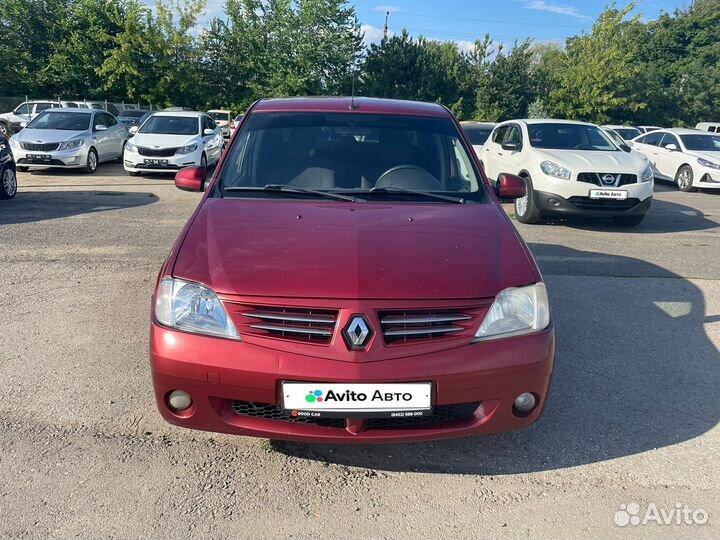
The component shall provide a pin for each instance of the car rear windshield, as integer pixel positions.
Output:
(70, 121)
(350, 152)
(171, 125)
(134, 113)
(219, 115)
(628, 133)
(477, 134)
(702, 143)
(559, 136)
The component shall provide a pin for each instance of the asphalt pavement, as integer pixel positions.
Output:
(631, 425)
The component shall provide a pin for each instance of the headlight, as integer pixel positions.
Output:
(553, 169)
(706, 163)
(14, 143)
(130, 147)
(516, 311)
(186, 149)
(192, 307)
(69, 145)
(647, 174)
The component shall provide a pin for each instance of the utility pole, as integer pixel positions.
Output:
(385, 30)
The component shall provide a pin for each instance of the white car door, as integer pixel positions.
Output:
(648, 146)
(103, 137)
(492, 156)
(116, 135)
(669, 160)
(511, 157)
(212, 142)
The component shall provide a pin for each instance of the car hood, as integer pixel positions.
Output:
(710, 156)
(156, 140)
(595, 161)
(338, 250)
(48, 135)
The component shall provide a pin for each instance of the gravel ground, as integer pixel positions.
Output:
(632, 416)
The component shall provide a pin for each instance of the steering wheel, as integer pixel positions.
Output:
(409, 177)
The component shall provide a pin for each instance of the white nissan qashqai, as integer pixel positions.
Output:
(571, 168)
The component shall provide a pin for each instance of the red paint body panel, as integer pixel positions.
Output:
(350, 258)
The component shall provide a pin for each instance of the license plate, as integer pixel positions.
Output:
(615, 194)
(353, 400)
(156, 162)
(39, 157)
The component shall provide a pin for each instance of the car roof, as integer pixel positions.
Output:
(188, 114)
(619, 126)
(476, 123)
(73, 110)
(684, 131)
(531, 121)
(347, 104)
(219, 110)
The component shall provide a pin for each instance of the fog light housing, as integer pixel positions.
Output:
(179, 401)
(525, 403)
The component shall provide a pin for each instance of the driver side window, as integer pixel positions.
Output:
(23, 109)
(513, 136)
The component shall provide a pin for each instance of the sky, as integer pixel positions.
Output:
(463, 21)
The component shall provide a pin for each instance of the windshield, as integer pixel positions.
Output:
(171, 125)
(69, 121)
(569, 137)
(222, 116)
(628, 133)
(477, 134)
(350, 152)
(702, 143)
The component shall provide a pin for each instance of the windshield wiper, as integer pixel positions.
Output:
(429, 195)
(281, 188)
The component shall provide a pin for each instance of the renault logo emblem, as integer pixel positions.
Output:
(357, 332)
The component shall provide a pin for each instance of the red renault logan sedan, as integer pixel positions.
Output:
(350, 276)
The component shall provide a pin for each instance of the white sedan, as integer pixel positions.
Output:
(690, 158)
(170, 141)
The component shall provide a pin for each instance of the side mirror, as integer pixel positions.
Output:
(190, 179)
(134, 130)
(625, 147)
(671, 146)
(100, 127)
(208, 131)
(511, 146)
(510, 186)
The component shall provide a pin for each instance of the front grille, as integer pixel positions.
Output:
(440, 414)
(403, 326)
(603, 204)
(597, 179)
(267, 411)
(39, 147)
(313, 325)
(156, 152)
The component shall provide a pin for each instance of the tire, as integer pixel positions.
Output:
(684, 178)
(628, 221)
(8, 183)
(23, 168)
(122, 154)
(91, 163)
(526, 211)
(203, 165)
(5, 130)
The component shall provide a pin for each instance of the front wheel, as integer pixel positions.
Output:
(526, 210)
(8, 184)
(684, 178)
(5, 130)
(203, 165)
(628, 221)
(91, 162)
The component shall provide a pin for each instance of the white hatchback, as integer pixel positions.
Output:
(690, 158)
(571, 168)
(170, 141)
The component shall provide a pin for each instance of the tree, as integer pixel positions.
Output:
(604, 78)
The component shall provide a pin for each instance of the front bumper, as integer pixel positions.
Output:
(134, 162)
(480, 379)
(553, 204)
(69, 159)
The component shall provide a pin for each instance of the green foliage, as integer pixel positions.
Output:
(663, 72)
